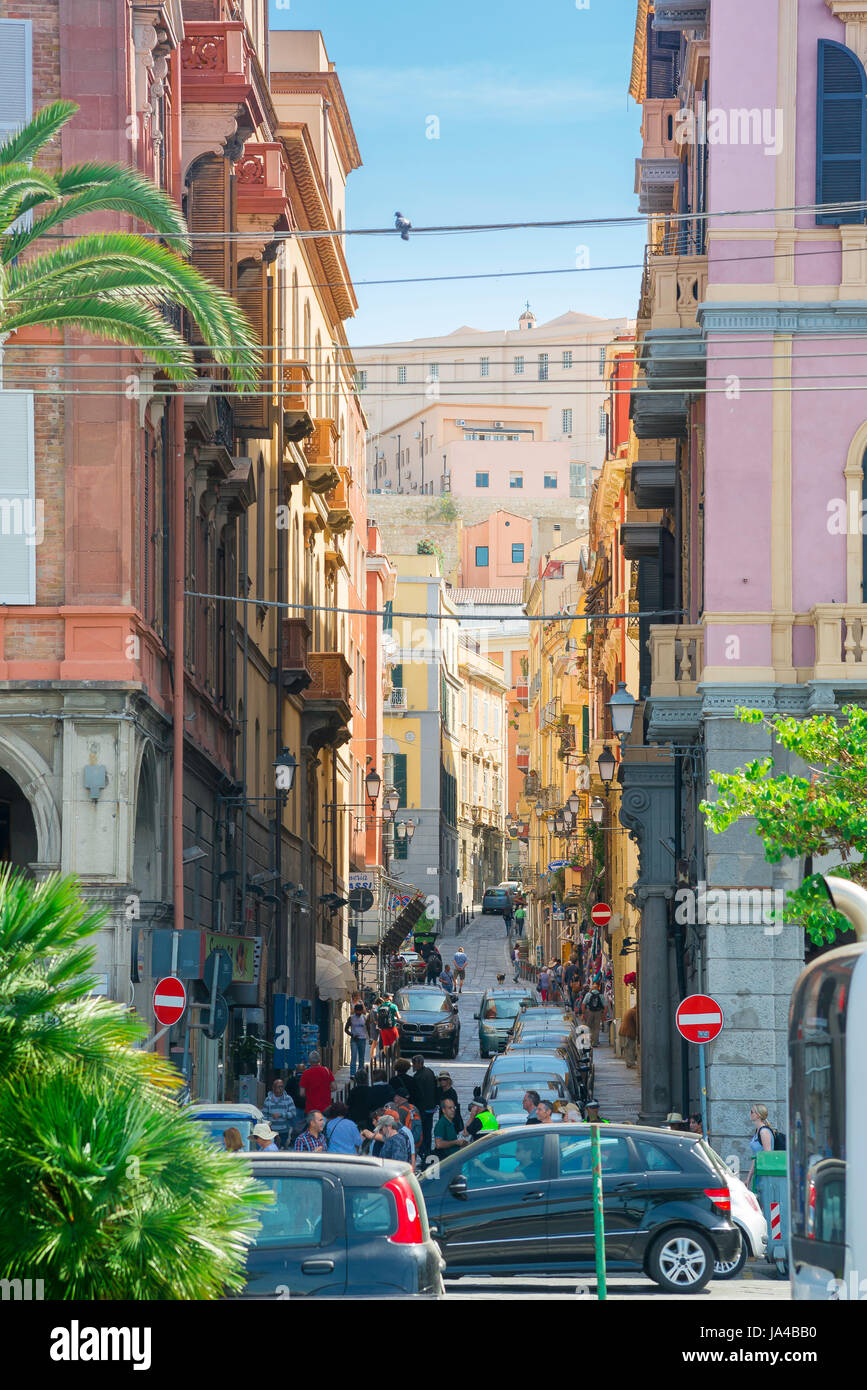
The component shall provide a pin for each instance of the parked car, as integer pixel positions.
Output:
(495, 1032)
(428, 1021)
(414, 966)
(512, 886)
(556, 1061)
(341, 1225)
(496, 900)
(219, 1116)
(521, 1201)
(513, 1088)
(527, 1064)
(749, 1218)
(579, 1057)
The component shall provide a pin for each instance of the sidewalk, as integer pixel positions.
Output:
(618, 1088)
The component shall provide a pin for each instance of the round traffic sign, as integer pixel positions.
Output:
(170, 1000)
(699, 1018)
(600, 914)
(361, 899)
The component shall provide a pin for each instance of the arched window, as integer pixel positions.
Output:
(841, 133)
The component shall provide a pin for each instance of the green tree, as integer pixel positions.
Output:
(106, 1189)
(110, 284)
(823, 812)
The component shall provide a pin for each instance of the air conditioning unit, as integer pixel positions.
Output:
(460, 422)
(387, 482)
(498, 425)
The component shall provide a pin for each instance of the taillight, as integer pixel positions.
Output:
(720, 1196)
(409, 1231)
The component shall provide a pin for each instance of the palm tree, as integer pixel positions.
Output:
(109, 284)
(106, 1189)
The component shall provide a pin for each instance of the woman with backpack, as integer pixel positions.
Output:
(387, 1015)
(765, 1139)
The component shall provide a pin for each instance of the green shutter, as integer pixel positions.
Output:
(388, 616)
(585, 729)
(400, 775)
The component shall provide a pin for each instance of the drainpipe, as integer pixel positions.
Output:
(178, 531)
(679, 933)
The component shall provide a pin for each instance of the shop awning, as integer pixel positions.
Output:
(335, 977)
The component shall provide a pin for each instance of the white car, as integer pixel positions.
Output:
(748, 1216)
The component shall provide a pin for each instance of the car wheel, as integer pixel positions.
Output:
(681, 1261)
(730, 1269)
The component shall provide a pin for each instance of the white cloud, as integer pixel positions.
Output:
(475, 91)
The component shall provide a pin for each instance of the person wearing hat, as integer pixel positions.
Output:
(265, 1138)
(674, 1120)
(395, 1145)
(312, 1140)
(481, 1121)
(448, 1092)
(591, 1113)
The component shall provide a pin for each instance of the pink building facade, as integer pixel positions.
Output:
(496, 553)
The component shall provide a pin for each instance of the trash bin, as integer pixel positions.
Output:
(772, 1190)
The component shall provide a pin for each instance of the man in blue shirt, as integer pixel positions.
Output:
(264, 1137)
(460, 959)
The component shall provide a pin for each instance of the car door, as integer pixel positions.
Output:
(500, 1220)
(674, 1176)
(571, 1239)
(301, 1248)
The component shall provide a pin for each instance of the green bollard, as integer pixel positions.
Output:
(598, 1216)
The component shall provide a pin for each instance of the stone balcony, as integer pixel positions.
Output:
(841, 641)
(337, 501)
(260, 181)
(676, 659)
(655, 183)
(654, 474)
(677, 15)
(658, 129)
(327, 711)
(321, 450)
(295, 638)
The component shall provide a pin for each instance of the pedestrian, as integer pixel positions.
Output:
(293, 1086)
(516, 962)
(591, 1113)
(446, 1140)
(592, 1013)
(568, 1111)
(544, 1112)
(359, 1029)
(434, 967)
(316, 1084)
(382, 1091)
(674, 1120)
(312, 1140)
(264, 1137)
(279, 1110)
(482, 1121)
(629, 1034)
(544, 983)
(448, 1092)
(395, 1144)
(460, 964)
(764, 1139)
(402, 1079)
(568, 976)
(387, 1017)
(342, 1135)
(410, 1119)
(426, 1092)
(232, 1140)
(556, 980)
(695, 1123)
(519, 919)
(530, 1103)
(360, 1104)
(507, 916)
(447, 980)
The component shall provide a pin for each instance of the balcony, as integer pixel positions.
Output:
(676, 659)
(217, 67)
(522, 695)
(523, 759)
(655, 184)
(551, 714)
(337, 500)
(658, 414)
(658, 129)
(395, 700)
(260, 181)
(327, 711)
(321, 450)
(841, 641)
(295, 638)
(654, 475)
(677, 15)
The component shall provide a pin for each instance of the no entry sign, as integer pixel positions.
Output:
(699, 1018)
(170, 1000)
(600, 914)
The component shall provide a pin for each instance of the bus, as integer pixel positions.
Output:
(827, 1142)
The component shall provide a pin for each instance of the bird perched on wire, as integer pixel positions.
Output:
(403, 225)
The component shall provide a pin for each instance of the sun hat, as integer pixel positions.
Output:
(264, 1131)
(675, 1118)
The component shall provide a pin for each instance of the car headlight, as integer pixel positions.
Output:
(444, 1028)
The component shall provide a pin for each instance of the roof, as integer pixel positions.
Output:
(488, 597)
(638, 79)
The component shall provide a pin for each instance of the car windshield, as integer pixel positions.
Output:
(424, 1002)
(530, 1062)
(217, 1126)
(501, 1008)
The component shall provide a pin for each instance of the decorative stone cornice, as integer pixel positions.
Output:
(849, 316)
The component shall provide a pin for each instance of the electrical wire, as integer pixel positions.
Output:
(439, 617)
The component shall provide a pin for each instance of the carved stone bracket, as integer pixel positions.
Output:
(208, 128)
(852, 13)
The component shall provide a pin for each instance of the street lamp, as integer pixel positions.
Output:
(606, 764)
(285, 765)
(574, 804)
(372, 782)
(387, 815)
(410, 829)
(622, 706)
(559, 824)
(400, 830)
(597, 810)
(392, 800)
(568, 820)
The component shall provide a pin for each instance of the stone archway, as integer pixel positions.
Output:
(146, 840)
(30, 776)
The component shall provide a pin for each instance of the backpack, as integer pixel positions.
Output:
(409, 1116)
(779, 1137)
(594, 1001)
(384, 1016)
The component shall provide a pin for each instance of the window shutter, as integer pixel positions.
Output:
(253, 413)
(399, 776)
(16, 74)
(209, 209)
(663, 61)
(841, 133)
(18, 517)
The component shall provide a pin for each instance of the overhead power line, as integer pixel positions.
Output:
(440, 617)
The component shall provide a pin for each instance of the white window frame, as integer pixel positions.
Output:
(401, 376)
(567, 359)
(566, 421)
(17, 430)
(519, 366)
(484, 366)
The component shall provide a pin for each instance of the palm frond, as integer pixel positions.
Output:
(127, 192)
(123, 321)
(20, 188)
(44, 125)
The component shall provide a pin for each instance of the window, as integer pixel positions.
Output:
(361, 378)
(543, 366)
(515, 1160)
(401, 376)
(465, 702)
(519, 366)
(602, 361)
(484, 366)
(19, 516)
(655, 1159)
(576, 1155)
(516, 480)
(295, 1218)
(16, 45)
(518, 554)
(371, 1213)
(577, 479)
(550, 480)
(567, 361)
(603, 422)
(841, 137)
(566, 422)
(481, 556)
(433, 371)
(482, 479)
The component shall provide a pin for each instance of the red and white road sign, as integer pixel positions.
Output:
(600, 914)
(170, 1000)
(699, 1018)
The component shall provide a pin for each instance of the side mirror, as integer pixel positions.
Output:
(458, 1187)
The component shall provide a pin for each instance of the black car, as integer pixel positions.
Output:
(428, 1022)
(580, 1058)
(506, 1005)
(493, 1086)
(560, 1059)
(341, 1225)
(521, 1201)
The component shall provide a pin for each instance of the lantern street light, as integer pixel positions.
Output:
(372, 782)
(597, 810)
(574, 804)
(568, 820)
(622, 706)
(400, 830)
(559, 824)
(606, 764)
(392, 800)
(410, 829)
(285, 765)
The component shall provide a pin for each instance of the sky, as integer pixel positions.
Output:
(534, 123)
